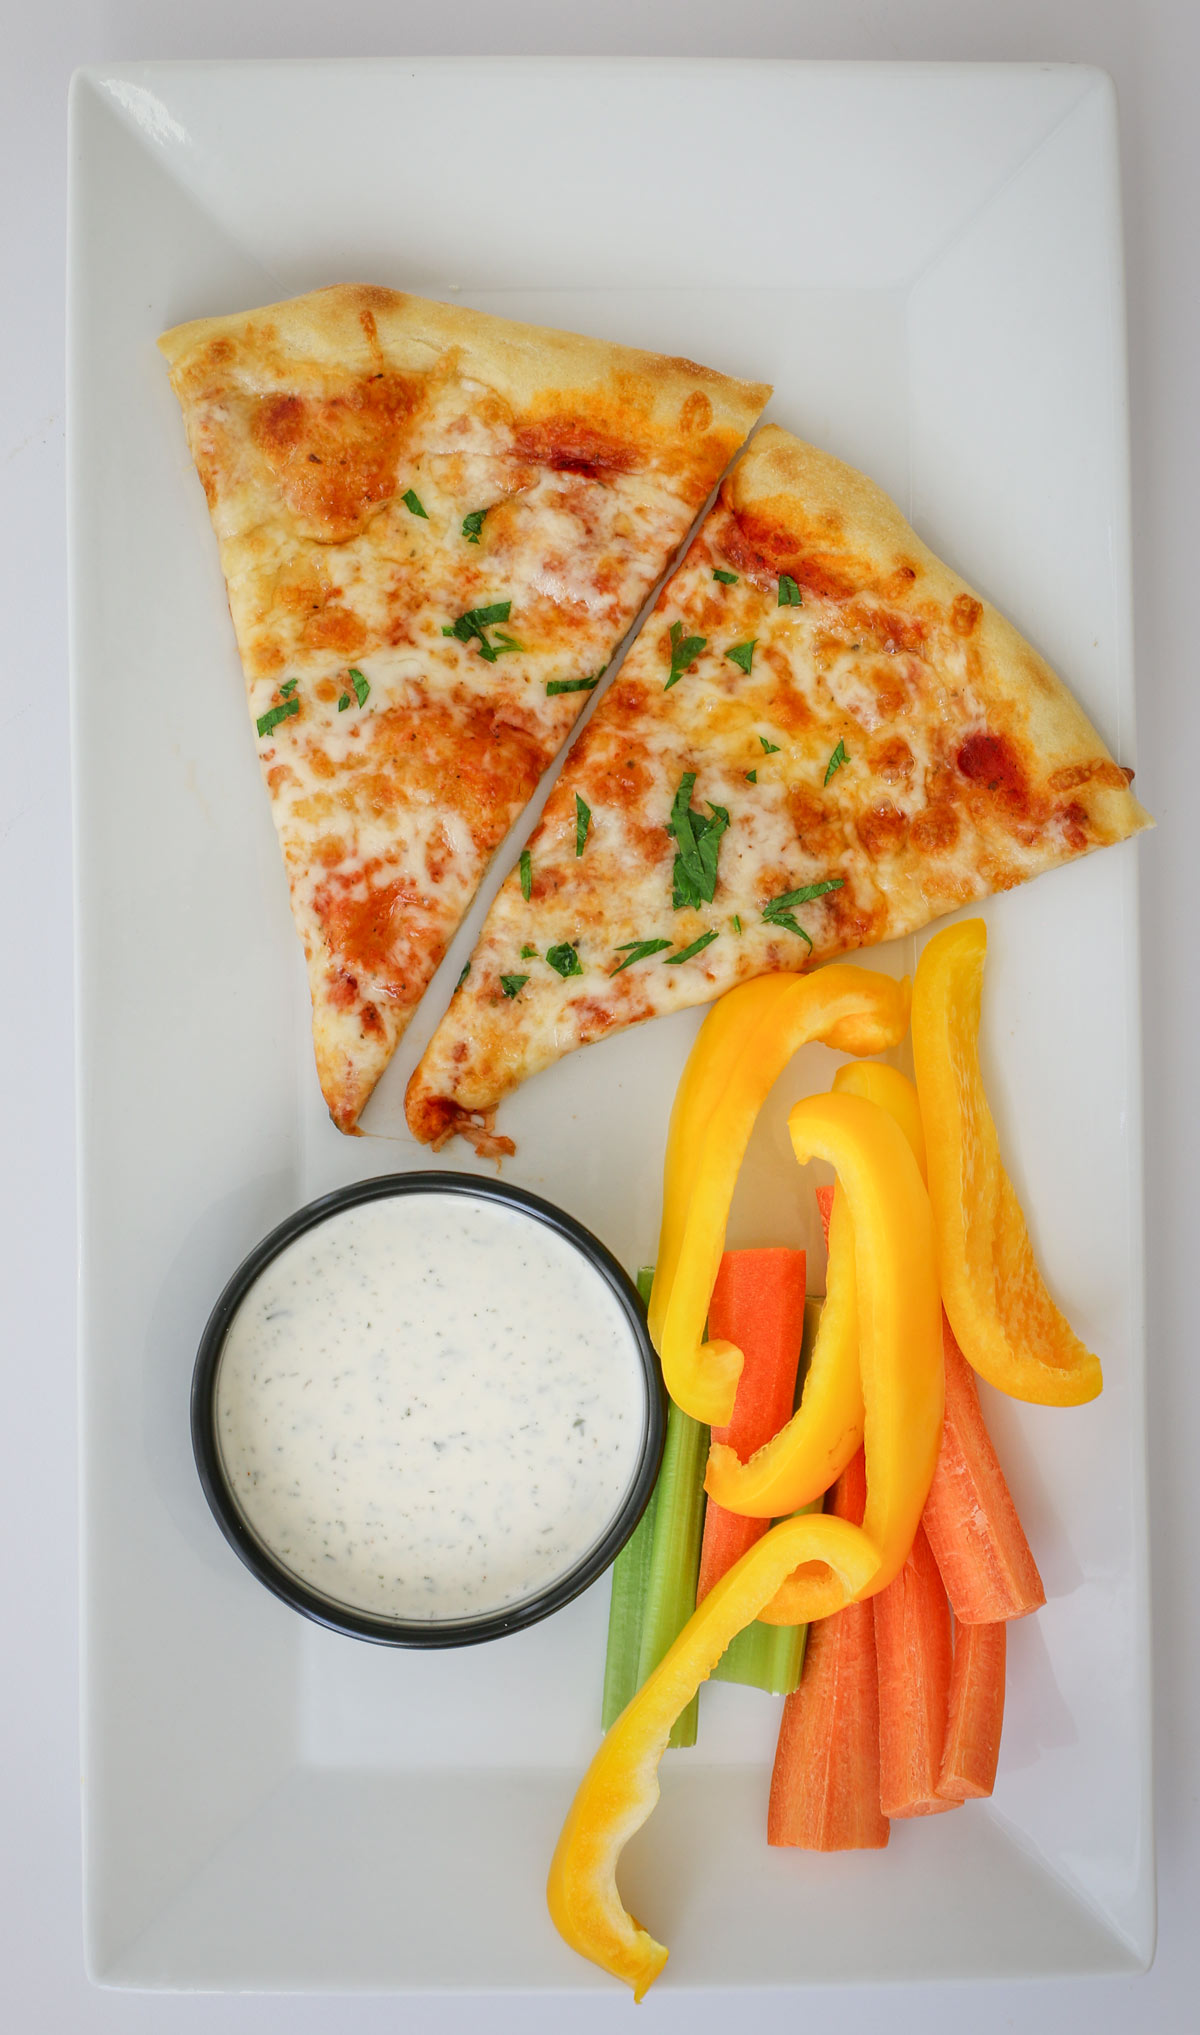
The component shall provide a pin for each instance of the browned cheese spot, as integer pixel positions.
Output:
(335, 456)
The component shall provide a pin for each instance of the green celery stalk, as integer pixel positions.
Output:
(631, 1574)
(771, 1657)
(654, 1576)
(675, 1554)
(767, 1657)
(627, 1609)
(630, 1581)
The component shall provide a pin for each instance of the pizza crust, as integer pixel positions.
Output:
(353, 329)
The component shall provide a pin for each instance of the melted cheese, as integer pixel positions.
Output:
(922, 816)
(340, 501)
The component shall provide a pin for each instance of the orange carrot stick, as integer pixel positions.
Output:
(976, 1712)
(757, 1303)
(912, 1642)
(985, 1561)
(825, 1781)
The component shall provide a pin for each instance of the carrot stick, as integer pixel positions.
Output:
(825, 1781)
(912, 1642)
(985, 1561)
(757, 1303)
(976, 1712)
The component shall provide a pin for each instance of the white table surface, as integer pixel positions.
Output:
(1151, 47)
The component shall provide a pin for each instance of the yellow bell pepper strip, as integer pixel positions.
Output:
(1004, 1320)
(620, 1788)
(805, 1457)
(718, 1045)
(899, 1328)
(756, 1029)
(893, 1091)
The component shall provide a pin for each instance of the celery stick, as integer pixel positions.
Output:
(767, 1657)
(675, 1552)
(630, 1577)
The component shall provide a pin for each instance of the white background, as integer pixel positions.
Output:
(1151, 47)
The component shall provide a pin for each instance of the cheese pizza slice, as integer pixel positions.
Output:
(435, 528)
(821, 739)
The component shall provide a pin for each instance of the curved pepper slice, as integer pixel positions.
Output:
(894, 1092)
(899, 1328)
(718, 1044)
(1004, 1320)
(814, 1447)
(810, 1452)
(620, 1788)
(755, 1031)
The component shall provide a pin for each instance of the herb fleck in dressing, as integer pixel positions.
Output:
(429, 1407)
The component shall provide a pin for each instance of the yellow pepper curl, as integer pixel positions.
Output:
(742, 1048)
(899, 1328)
(810, 1452)
(620, 1788)
(893, 1091)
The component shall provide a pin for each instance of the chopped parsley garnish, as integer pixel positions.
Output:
(583, 820)
(684, 651)
(769, 748)
(361, 688)
(475, 623)
(412, 502)
(637, 950)
(286, 691)
(564, 960)
(698, 838)
(343, 703)
(526, 866)
(554, 685)
(462, 978)
(697, 947)
(274, 715)
(778, 911)
(512, 985)
(529, 953)
(836, 761)
(742, 654)
(737, 924)
(751, 776)
(790, 595)
(472, 525)
(726, 578)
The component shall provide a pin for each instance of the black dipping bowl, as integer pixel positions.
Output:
(421, 1632)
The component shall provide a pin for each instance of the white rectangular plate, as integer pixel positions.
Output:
(926, 262)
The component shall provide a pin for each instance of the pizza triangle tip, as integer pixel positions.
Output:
(435, 526)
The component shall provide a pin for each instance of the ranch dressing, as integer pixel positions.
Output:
(430, 1406)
